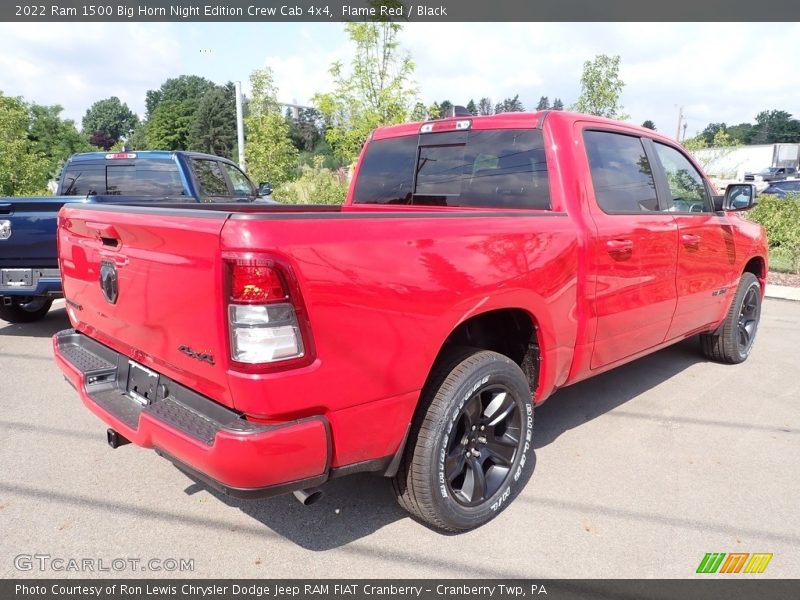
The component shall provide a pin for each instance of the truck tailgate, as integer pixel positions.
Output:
(150, 287)
(32, 241)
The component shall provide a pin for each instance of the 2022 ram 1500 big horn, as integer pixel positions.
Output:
(477, 265)
(29, 277)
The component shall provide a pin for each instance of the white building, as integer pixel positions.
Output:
(733, 163)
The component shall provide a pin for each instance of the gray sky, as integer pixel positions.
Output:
(718, 72)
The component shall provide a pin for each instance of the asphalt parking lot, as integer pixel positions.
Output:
(639, 473)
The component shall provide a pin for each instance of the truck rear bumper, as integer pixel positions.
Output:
(30, 282)
(200, 436)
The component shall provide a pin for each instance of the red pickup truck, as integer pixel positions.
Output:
(478, 265)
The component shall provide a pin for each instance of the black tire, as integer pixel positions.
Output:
(25, 309)
(474, 423)
(734, 341)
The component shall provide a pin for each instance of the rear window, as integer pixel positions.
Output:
(504, 168)
(144, 177)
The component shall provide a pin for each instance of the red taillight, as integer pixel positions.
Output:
(267, 322)
(255, 283)
(120, 155)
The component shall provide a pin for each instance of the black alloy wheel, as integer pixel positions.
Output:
(484, 445)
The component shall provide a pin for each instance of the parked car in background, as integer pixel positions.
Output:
(783, 188)
(771, 174)
(29, 276)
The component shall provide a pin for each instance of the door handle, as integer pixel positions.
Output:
(687, 239)
(619, 246)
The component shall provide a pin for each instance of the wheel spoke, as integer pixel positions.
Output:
(498, 409)
(455, 463)
(501, 454)
(475, 481)
(744, 336)
(472, 412)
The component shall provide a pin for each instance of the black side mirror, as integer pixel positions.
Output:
(264, 188)
(739, 196)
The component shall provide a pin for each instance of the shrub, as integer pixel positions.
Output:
(781, 218)
(316, 185)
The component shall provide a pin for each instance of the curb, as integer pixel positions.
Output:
(782, 292)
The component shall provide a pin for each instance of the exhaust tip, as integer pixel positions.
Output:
(309, 496)
(115, 439)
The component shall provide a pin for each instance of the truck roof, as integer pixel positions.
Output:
(150, 154)
(509, 120)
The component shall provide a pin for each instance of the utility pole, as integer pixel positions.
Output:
(240, 125)
(680, 120)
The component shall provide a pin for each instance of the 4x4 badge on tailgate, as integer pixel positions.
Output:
(108, 281)
(202, 356)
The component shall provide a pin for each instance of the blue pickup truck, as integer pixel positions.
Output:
(29, 275)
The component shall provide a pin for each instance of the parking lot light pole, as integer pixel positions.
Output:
(240, 125)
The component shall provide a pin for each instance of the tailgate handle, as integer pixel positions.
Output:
(5, 208)
(106, 232)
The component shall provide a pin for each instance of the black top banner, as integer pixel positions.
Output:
(397, 10)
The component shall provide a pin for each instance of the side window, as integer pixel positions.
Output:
(210, 177)
(240, 182)
(687, 188)
(621, 174)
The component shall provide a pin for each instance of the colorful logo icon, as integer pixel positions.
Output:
(736, 562)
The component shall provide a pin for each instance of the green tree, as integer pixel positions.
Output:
(509, 105)
(138, 138)
(214, 127)
(711, 130)
(648, 124)
(434, 111)
(270, 154)
(53, 137)
(178, 89)
(377, 90)
(544, 103)
(775, 127)
(316, 185)
(742, 133)
(305, 131)
(172, 110)
(472, 107)
(601, 88)
(23, 169)
(485, 106)
(558, 104)
(419, 113)
(107, 121)
(169, 125)
(446, 108)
